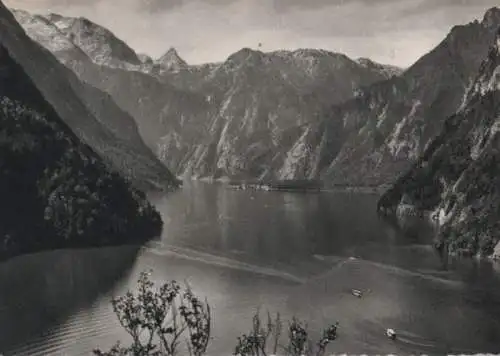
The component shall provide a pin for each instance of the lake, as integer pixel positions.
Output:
(294, 253)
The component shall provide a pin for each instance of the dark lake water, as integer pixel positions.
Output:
(297, 254)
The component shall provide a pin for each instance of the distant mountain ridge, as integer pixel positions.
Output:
(237, 118)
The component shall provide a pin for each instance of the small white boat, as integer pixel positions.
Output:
(357, 293)
(391, 334)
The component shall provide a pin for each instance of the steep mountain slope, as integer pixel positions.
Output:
(56, 192)
(392, 122)
(90, 113)
(458, 175)
(157, 107)
(236, 118)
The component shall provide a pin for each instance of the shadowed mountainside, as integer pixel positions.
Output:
(56, 191)
(457, 176)
(391, 123)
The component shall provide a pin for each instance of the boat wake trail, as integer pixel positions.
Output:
(162, 249)
(428, 275)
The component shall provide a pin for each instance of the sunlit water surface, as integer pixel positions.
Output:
(297, 254)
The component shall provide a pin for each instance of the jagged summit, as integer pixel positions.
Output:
(312, 52)
(491, 18)
(244, 54)
(171, 60)
(97, 42)
(47, 32)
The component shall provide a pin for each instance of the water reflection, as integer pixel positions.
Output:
(40, 290)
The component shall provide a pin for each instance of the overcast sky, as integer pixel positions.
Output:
(389, 31)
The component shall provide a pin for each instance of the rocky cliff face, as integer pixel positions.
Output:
(262, 100)
(92, 114)
(237, 118)
(457, 176)
(56, 191)
(390, 123)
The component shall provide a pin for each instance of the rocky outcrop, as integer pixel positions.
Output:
(89, 112)
(56, 191)
(457, 176)
(172, 62)
(388, 71)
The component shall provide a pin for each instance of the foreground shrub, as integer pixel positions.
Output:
(159, 318)
(265, 339)
(156, 318)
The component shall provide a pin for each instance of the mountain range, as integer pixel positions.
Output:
(237, 118)
(304, 114)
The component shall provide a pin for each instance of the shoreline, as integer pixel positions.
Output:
(298, 186)
(292, 189)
